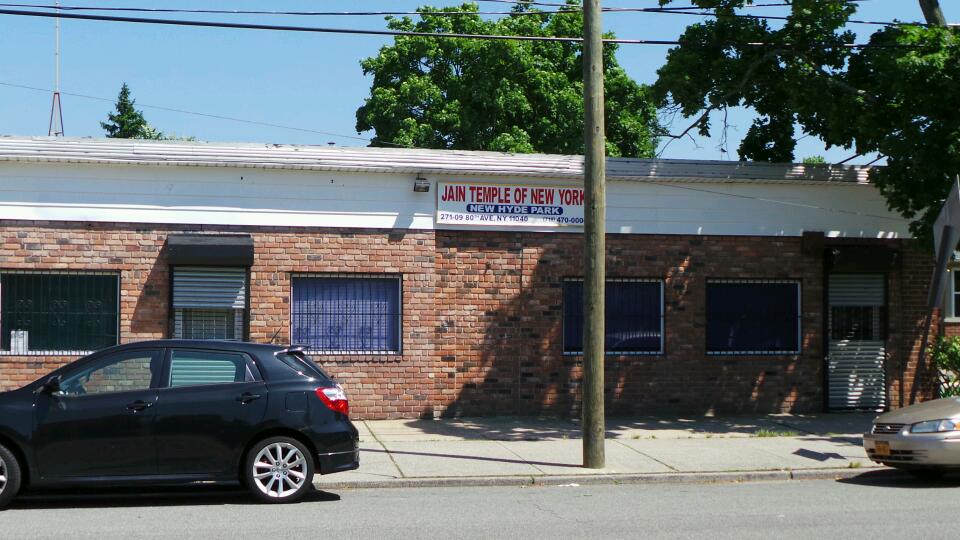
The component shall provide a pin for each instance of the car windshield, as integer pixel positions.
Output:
(302, 363)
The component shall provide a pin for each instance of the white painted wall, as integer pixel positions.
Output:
(251, 196)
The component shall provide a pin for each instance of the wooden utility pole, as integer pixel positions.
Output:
(594, 253)
(932, 12)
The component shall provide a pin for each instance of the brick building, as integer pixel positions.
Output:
(447, 283)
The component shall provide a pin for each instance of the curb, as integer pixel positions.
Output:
(604, 479)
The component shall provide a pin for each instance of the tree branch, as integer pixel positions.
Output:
(748, 74)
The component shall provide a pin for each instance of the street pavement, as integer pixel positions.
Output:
(518, 450)
(874, 505)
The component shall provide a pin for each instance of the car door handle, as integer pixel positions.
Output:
(247, 397)
(139, 405)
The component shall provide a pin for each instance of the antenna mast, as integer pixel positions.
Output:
(56, 113)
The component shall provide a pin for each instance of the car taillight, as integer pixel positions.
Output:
(335, 399)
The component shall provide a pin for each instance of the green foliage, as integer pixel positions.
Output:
(900, 98)
(511, 96)
(814, 160)
(945, 356)
(127, 122)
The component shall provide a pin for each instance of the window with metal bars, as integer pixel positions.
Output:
(633, 316)
(858, 323)
(753, 317)
(346, 313)
(209, 302)
(58, 312)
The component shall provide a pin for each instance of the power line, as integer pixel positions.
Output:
(567, 8)
(294, 13)
(208, 115)
(696, 11)
(777, 17)
(314, 29)
(356, 31)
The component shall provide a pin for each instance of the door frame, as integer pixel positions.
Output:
(825, 342)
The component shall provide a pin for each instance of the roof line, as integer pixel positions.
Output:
(407, 161)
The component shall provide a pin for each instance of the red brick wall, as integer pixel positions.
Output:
(482, 314)
(513, 361)
(908, 308)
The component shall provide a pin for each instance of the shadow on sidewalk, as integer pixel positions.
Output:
(472, 458)
(137, 497)
(835, 428)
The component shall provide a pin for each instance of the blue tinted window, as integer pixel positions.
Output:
(633, 316)
(346, 314)
(753, 316)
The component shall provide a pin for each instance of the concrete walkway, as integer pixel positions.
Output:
(518, 451)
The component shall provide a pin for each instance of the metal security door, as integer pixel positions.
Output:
(856, 323)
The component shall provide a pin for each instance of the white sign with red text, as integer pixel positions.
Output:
(462, 203)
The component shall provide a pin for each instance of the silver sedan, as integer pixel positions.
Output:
(923, 439)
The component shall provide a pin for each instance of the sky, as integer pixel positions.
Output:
(311, 82)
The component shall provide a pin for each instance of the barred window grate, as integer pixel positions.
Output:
(58, 312)
(209, 302)
(633, 316)
(344, 313)
(753, 317)
(858, 323)
(192, 323)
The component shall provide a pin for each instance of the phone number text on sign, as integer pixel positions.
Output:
(487, 204)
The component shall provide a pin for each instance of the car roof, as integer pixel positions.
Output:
(244, 346)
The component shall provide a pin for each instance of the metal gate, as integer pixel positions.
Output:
(857, 332)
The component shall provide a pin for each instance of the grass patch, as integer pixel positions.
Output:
(764, 432)
(854, 465)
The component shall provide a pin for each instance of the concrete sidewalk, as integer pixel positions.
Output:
(519, 451)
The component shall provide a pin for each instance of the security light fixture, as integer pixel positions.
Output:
(421, 185)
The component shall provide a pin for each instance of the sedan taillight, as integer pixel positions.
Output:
(335, 399)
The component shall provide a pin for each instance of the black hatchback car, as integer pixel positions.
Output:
(179, 412)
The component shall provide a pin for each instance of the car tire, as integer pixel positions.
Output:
(927, 474)
(278, 470)
(9, 476)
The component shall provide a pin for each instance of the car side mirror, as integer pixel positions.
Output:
(51, 386)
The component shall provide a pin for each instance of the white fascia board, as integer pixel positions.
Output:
(256, 196)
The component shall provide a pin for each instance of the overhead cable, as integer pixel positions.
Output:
(696, 11)
(208, 115)
(357, 31)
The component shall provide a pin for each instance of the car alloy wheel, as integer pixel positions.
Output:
(9, 476)
(280, 470)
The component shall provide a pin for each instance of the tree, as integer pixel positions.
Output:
(511, 96)
(899, 97)
(128, 122)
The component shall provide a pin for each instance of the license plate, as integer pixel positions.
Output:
(882, 448)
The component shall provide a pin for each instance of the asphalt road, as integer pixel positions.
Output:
(876, 505)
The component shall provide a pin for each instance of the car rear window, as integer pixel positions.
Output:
(303, 364)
